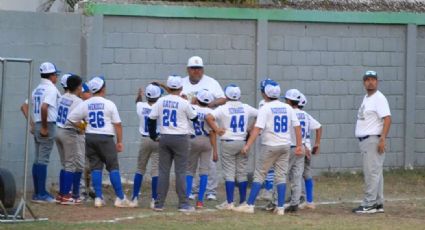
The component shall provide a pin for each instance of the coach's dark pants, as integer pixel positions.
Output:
(173, 147)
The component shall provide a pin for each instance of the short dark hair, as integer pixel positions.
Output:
(174, 90)
(152, 100)
(292, 102)
(45, 75)
(202, 103)
(272, 99)
(73, 82)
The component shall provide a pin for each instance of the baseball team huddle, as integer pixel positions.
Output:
(183, 122)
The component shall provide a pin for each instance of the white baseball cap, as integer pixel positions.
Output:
(152, 91)
(64, 79)
(174, 82)
(48, 67)
(293, 95)
(95, 84)
(272, 90)
(232, 92)
(205, 96)
(303, 100)
(195, 61)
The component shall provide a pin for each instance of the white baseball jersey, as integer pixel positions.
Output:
(233, 117)
(276, 119)
(143, 110)
(173, 114)
(313, 124)
(261, 103)
(46, 92)
(304, 123)
(100, 113)
(206, 82)
(371, 113)
(67, 103)
(200, 127)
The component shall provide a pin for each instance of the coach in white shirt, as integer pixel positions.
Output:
(194, 82)
(373, 125)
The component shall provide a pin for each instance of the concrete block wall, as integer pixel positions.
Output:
(139, 50)
(420, 98)
(41, 37)
(327, 62)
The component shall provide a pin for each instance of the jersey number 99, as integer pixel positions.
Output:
(281, 124)
(96, 119)
(62, 115)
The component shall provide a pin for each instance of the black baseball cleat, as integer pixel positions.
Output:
(270, 206)
(366, 209)
(380, 208)
(291, 209)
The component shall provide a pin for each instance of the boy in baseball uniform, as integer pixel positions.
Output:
(275, 121)
(148, 148)
(232, 119)
(70, 143)
(173, 114)
(202, 144)
(311, 125)
(104, 123)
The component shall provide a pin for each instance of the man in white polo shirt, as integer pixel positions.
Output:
(194, 82)
(373, 125)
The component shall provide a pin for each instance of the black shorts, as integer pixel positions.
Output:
(100, 151)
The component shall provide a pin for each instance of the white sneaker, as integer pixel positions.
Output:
(152, 204)
(307, 205)
(211, 197)
(286, 205)
(98, 202)
(266, 195)
(192, 196)
(225, 206)
(280, 211)
(122, 203)
(134, 203)
(245, 208)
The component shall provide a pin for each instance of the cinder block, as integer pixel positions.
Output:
(320, 43)
(130, 40)
(246, 57)
(298, 58)
(290, 73)
(276, 42)
(224, 42)
(193, 41)
(394, 44)
(177, 41)
(146, 40)
(305, 73)
(312, 88)
(139, 25)
(369, 30)
(334, 44)
(306, 43)
(113, 71)
(156, 26)
(320, 73)
(113, 40)
(291, 43)
(138, 56)
(284, 58)
(326, 88)
(171, 56)
(348, 44)
(154, 56)
(107, 56)
(326, 116)
(208, 41)
(327, 58)
(231, 57)
(362, 44)
(162, 41)
(376, 44)
(122, 55)
(313, 58)
(420, 87)
(369, 59)
(383, 59)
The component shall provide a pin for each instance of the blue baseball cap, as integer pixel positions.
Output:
(266, 82)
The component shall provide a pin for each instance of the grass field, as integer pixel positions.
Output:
(405, 209)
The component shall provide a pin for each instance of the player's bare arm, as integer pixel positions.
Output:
(213, 141)
(298, 148)
(217, 102)
(211, 122)
(385, 130)
(316, 147)
(139, 97)
(44, 112)
(118, 131)
(252, 137)
(24, 110)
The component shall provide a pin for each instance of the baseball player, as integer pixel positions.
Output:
(296, 161)
(311, 124)
(275, 121)
(64, 80)
(372, 127)
(70, 143)
(44, 112)
(232, 119)
(203, 142)
(103, 124)
(148, 148)
(173, 113)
